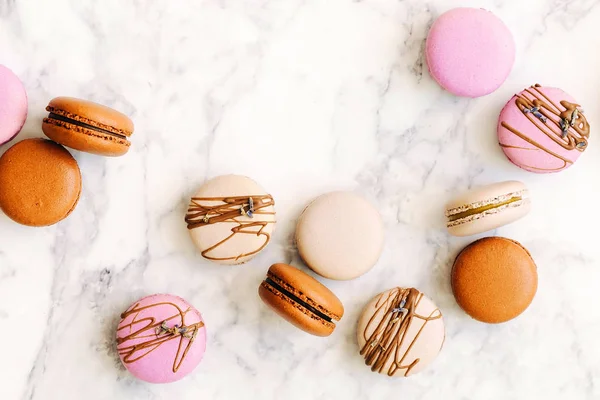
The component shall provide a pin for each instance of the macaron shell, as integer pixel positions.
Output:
(491, 221)
(486, 192)
(494, 279)
(83, 139)
(539, 153)
(470, 52)
(92, 113)
(13, 105)
(240, 247)
(340, 235)
(294, 313)
(156, 366)
(306, 287)
(422, 341)
(40, 182)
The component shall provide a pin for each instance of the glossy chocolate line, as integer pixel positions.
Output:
(388, 337)
(539, 146)
(84, 125)
(296, 299)
(199, 216)
(506, 146)
(149, 330)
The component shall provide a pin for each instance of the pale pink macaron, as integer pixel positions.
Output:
(470, 52)
(543, 130)
(161, 338)
(13, 105)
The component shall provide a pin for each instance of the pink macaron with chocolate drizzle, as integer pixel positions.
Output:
(161, 338)
(543, 130)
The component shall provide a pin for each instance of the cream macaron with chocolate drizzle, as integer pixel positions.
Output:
(231, 219)
(400, 332)
(488, 207)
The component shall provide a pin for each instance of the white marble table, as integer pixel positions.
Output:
(304, 96)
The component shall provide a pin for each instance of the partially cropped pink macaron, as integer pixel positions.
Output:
(543, 130)
(13, 105)
(470, 52)
(161, 338)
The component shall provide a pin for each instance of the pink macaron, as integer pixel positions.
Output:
(13, 105)
(543, 130)
(470, 52)
(161, 338)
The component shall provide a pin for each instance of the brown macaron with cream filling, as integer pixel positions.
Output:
(301, 300)
(87, 126)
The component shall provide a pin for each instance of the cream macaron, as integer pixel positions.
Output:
(231, 219)
(340, 235)
(488, 207)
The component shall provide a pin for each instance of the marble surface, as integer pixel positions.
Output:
(304, 96)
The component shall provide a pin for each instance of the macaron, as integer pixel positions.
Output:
(40, 182)
(400, 332)
(86, 126)
(494, 279)
(487, 207)
(340, 235)
(301, 300)
(161, 338)
(13, 105)
(231, 219)
(470, 52)
(543, 130)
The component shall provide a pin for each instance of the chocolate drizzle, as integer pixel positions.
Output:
(396, 310)
(156, 333)
(565, 124)
(239, 210)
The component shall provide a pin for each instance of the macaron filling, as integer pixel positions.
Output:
(83, 125)
(270, 282)
(478, 210)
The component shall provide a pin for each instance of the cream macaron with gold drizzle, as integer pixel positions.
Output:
(488, 207)
(231, 219)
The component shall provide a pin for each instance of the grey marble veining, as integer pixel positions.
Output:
(305, 97)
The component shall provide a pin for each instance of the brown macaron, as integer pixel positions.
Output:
(301, 300)
(494, 279)
(87, 126)
(40, 182)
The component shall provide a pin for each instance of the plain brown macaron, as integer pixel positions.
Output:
(494, 279)
(301, 300)
(40, 182)
(87, 126)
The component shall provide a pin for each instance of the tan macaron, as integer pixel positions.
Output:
(494, 279)
(487, 207)
(40, 182)
(301, 300)
(87, 126)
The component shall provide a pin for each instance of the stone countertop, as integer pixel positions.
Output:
(304, 96)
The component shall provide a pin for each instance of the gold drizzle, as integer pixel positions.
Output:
(155, 338)
(230, 210)
(397, 310)
(576, 137)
